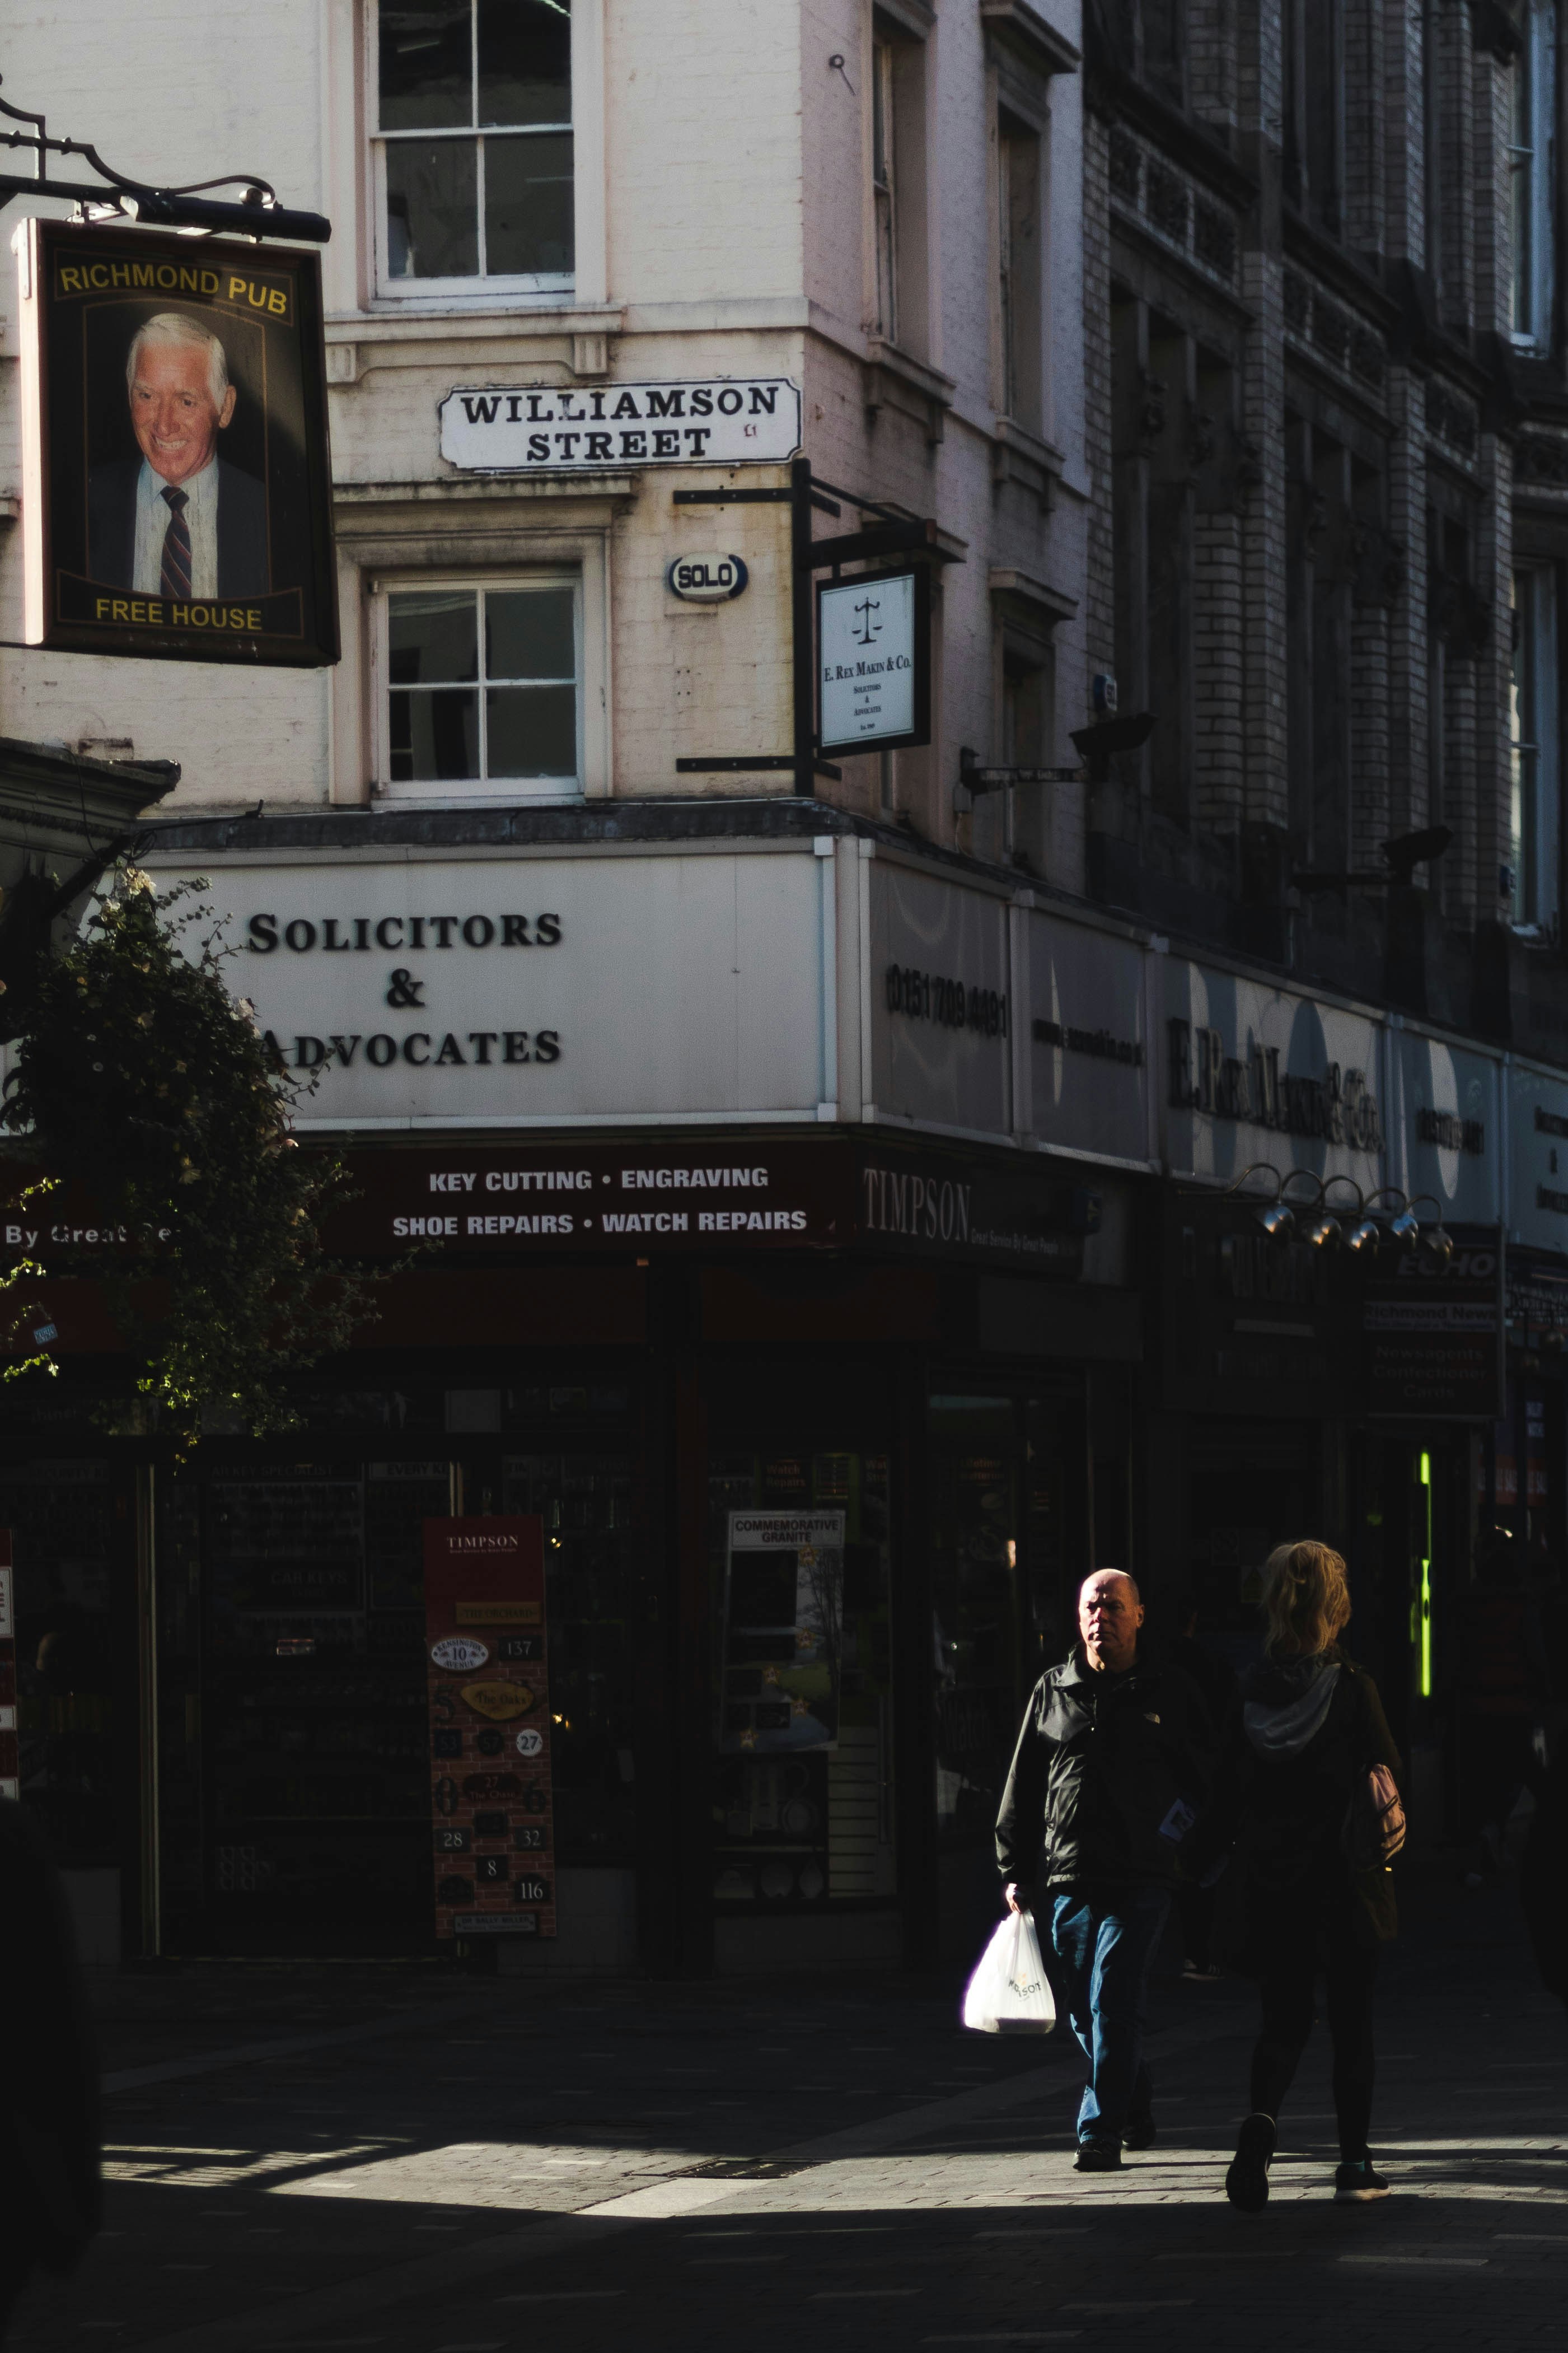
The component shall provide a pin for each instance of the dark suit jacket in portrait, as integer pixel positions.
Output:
(241, 528)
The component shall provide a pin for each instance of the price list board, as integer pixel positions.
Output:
(492, 1815)
(9, 1769)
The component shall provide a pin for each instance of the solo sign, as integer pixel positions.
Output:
(484, 1608)
(707, 579)
(873, 637)
(177, 482)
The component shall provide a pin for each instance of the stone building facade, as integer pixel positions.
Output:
(1326, 388)
(876, 200)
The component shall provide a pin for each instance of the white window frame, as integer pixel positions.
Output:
(524, 291)
(884, 187)
(479, 792)
(1532, 159)
(1535, 723)
(902, 294)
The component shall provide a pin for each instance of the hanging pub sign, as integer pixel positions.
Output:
(492, 1837)
(177, 482)
(873, 637)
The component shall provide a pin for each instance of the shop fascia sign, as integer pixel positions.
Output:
(1333, 1106)
(521, 991)
(688, 421)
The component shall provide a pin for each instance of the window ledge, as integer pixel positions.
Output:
(495, 487)
(432, 322)
(388, 799)
(1022, 27)
(1047, 603)
(896, 379)
(1018, 455)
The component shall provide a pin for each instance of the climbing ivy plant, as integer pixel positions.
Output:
(141, 1078)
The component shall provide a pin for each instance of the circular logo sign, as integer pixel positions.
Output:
(460, 1652)
(707, 579)
(528, 1742)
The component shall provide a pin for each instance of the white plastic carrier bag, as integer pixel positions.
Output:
(1010, 1993)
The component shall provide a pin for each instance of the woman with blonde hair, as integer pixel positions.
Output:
(1310, 1805)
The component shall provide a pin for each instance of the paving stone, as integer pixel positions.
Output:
(653, 2165)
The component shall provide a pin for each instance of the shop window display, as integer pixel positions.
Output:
(1010, 1539)
(293, 1734)
(587, 1502)
(74, 1581)
(802, 1787)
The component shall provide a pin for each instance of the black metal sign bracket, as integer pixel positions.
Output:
(257, 215)
(890, 535)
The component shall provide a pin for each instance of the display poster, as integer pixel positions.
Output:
(1433, 1335)
(177, 485)
(490, 1811)
(9, 1767)
(784, 1601)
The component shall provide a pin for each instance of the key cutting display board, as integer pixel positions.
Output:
(491, 1817)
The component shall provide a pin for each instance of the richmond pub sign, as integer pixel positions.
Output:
(177, 488)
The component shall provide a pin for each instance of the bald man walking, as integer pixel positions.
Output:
(1113, 1763)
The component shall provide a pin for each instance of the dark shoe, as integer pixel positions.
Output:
(1097, 2157)
(1140, 2133)
(1246, 2183)
(1200, 1972)
(1355, 2184)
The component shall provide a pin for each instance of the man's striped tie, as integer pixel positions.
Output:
(176, 575)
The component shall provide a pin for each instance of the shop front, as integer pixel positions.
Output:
(1313, 1383)
(740, 1213)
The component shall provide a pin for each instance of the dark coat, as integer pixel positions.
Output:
(1290, 1881)
(49, 2140)
(1100, 1763)
(241, 528)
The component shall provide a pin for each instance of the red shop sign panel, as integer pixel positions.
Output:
(9, 1768)
(491, 1817)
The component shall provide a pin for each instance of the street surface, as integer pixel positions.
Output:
(315, 2158)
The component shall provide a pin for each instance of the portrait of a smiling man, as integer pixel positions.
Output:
(179, 521)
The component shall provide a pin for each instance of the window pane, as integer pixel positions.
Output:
(434, 637)
(432, 209)
(528, 204)
(529, 633)
(427, 64)
(525, 60)
(436, 737)
(533, 731)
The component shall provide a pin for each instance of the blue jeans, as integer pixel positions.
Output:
(1104, 1947)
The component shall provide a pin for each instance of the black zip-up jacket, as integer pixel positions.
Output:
(1102, 1761)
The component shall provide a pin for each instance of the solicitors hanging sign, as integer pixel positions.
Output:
(690, 420)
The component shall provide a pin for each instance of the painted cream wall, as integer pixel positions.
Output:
(723, 217)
